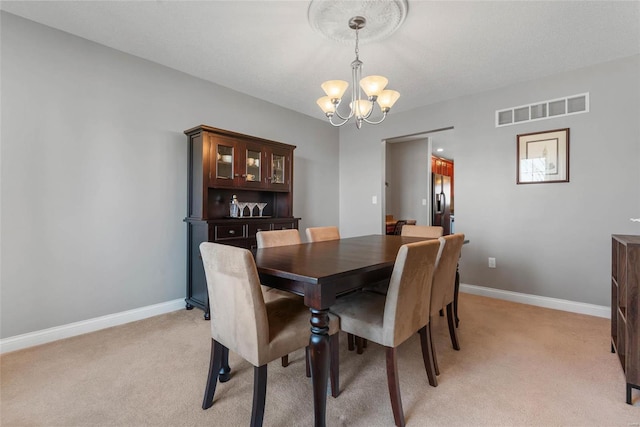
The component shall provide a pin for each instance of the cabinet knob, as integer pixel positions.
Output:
(244, 175)
(236, 175)
(232, 231)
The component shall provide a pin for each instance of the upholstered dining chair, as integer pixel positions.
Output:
(321, 234)
(430, 231)
(269, 239)
(443, 292)
(243, 322)
(391, 320)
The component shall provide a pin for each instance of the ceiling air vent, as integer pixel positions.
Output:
(574, 104)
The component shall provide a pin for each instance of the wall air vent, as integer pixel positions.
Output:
(574, 104)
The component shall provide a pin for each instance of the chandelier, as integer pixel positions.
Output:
(360, 107)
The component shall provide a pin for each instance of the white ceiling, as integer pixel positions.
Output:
(443, 50)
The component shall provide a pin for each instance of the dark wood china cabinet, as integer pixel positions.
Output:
(222, 164)
(625, 307)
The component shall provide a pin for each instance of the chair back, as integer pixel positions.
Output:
(397, 230)
(408, 299)
(269, 239)
(444, 277)
(320, 234)
(238, 312)
(430, 231)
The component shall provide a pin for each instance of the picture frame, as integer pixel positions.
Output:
(543, 157)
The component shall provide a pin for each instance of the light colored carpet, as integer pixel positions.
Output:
(519, 365)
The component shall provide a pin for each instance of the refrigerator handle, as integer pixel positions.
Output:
(440, 202)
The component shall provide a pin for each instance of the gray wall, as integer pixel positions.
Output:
(548, 239)
(93, 174)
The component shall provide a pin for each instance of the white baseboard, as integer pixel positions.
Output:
(44, 336)
(547, 302)
(91, 325)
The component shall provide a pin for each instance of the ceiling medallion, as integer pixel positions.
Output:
(330, 18)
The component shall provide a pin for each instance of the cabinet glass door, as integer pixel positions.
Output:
(254, 168)
(224, 164)
(277, 169)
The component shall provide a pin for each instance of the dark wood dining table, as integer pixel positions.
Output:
(321, 271)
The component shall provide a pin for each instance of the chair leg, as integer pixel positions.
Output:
(452, 327)
(285, 360)
(359, 345)
(394, 386)
(427, 355)
(215, 362)
(259, 395)
(225, 371)
(350, 342)
(334, 369)
(307, 359)
(433, 350)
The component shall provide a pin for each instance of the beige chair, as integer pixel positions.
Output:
(430, 231)
(320, 234)
(241, 321)
(391, 320)
(443, 292)
(269, 239)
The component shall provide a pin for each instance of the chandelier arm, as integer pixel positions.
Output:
(338, 124)
(384, 116)
(335, 112)
(373, 104)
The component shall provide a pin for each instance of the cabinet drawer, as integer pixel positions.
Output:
(258, 226)
(222, 232)
(284, 225)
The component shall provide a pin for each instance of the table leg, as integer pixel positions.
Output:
(319, 350)
(455, 296)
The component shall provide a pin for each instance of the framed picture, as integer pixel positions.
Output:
(543, 157)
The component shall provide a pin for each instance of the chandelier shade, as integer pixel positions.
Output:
(335, 88)
(373, 85)
(361, 107)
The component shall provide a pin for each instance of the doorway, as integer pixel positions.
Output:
(407, 179)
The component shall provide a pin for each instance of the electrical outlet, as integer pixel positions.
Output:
(424, 202)
(374, 200)
(492, 262)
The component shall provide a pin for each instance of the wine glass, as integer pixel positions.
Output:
(251, 206)
(241, 206)
(261, 206)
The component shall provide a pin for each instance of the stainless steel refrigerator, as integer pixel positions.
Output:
(441, 203)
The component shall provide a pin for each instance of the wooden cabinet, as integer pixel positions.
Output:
(222, 164)
(625, 306)
(442, 166)
(237, 162)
